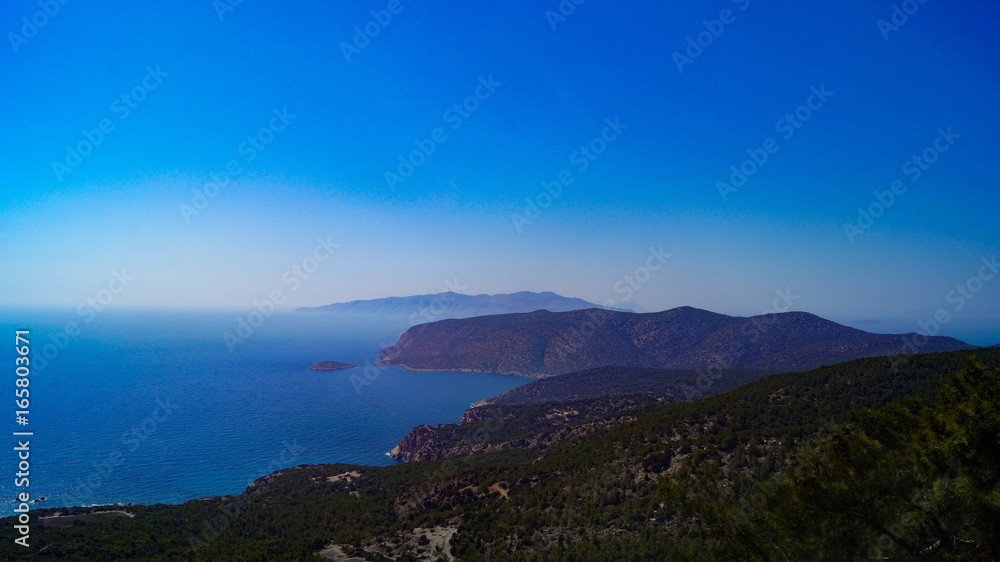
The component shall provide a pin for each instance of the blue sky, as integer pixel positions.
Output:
(208, 83)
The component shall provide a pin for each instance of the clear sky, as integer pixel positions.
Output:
(181, 87)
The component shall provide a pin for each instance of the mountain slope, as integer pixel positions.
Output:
(617, 381)
(492, 428)
(457, 305)
(628, 491)
(544, 343)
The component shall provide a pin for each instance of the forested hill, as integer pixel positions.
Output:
(544, 343)
(617, 381)
(784, 401)
(779, 469)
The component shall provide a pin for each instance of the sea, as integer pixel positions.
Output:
(151, 407)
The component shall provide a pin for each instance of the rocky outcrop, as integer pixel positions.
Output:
(331, 366)
(422, 443)
(536, 426)
(435, 448)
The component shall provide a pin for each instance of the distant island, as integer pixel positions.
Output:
(440, 306)
(331, 366)
(544, 344)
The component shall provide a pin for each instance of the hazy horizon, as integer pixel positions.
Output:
(208, 179)
(981, 332)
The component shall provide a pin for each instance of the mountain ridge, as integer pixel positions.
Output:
(544, 343)
(451, 304)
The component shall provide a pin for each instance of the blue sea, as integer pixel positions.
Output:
(150, 407)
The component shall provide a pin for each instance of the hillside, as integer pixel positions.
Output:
(492, 428)
(753, 474)
(616, 381)
(564, 401)
(545, 343)
(456, 305)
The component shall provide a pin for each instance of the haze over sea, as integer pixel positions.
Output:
(233, 417)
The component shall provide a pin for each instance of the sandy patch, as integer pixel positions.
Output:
(422, 543)
(499, 487)
(346, 476)
(336, 552)
(60, 520)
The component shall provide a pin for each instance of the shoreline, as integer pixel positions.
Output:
(54, 512)
(53, 506)
(457, 370)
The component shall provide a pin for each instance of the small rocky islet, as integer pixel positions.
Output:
(331, 366)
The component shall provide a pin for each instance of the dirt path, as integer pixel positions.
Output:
(68, 520)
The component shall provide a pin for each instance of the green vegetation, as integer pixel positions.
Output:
(490, 427)
(800, 466)
(917, 480)
(617, 381)
(543, 343)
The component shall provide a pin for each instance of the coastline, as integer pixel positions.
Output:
(457, 370)
(112, 505)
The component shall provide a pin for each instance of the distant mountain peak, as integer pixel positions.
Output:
(450, 304)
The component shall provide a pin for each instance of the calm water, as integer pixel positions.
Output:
(153, 407)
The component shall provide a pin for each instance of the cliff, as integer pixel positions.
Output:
(493, 428)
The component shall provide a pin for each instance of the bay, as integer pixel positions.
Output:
(150, 407)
